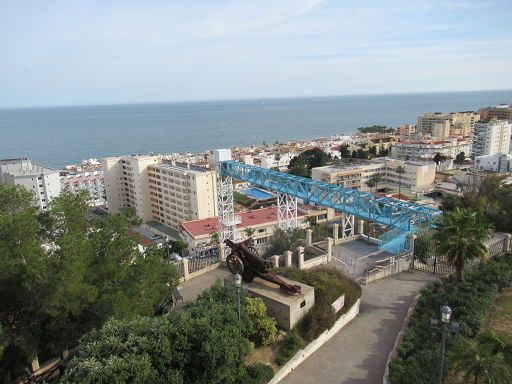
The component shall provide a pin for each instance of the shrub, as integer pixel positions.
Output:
(418, 354)
(291, 344)
(329, 284)
(258, 373)
(261, 328)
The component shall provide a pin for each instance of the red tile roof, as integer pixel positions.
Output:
(256, 217)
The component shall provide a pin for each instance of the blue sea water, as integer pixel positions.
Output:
(66, 135)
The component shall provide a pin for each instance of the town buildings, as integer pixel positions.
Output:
(461, 123)
(156, 189)
(181, 192)
(418, 176)
(426, 149)
(492, 137)
(42, 181)
(92, 182)
(500, 112)
(198, 233)
(499, 162)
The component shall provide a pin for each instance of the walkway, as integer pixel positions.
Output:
(359, 352)
(190, 289)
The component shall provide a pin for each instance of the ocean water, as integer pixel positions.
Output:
(66, 135)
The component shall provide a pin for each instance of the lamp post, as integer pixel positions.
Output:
(446, 313)
(238, 284)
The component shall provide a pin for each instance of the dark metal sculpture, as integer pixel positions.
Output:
(245, 261)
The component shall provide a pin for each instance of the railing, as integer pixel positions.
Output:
(197, 263)
(388, 267)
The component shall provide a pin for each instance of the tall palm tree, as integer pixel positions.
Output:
(215, 238)
(371, 183)
(460, 236)
(484, 360)
(377, 177)
(400, 171)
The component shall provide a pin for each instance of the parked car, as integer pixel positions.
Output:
(156, 237)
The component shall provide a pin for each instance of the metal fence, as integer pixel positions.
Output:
(426, 257)
(197, 263)
(388, 267)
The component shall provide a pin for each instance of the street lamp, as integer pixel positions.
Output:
(446, 313)
(238, 284)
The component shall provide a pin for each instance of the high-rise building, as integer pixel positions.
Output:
(491, 137)
(42, 181)
(461, 123)
(127, 183)
(160, 190)
(181, 192)
(501, 112)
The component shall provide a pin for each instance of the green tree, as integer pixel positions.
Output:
(185, 347)
(214, 237)
(85, 274)
(302, 164)
(179, 246)
(484, 360)
(400, 171)
(23, 275)
(249, 232)
(282, 241)
(261, 328)
(345, 151)
(438, 159)
(460, 158)
(460, 236)
(371, 183)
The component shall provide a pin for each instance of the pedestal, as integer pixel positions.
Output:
(286, 309)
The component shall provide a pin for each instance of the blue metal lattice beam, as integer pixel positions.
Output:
(383, 210)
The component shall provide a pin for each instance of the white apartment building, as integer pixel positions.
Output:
(43, 182)
(127, 183)
(418, 176)
(499, 162)
(92, 182)
(427, 149)
(181, 192)
(276, 160)
(492, 137)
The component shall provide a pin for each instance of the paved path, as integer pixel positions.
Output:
(358, 353)
(190, 289)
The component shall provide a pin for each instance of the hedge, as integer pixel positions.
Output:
(418, 355)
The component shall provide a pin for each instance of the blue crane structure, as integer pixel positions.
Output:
(403, 217)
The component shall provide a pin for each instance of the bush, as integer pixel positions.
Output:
(261, 328)
(258, 373)
(291, 344)
(329, 284)
(418, 354)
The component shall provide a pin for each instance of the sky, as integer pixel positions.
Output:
(126, 51)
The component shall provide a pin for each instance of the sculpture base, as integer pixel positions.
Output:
(286, 309)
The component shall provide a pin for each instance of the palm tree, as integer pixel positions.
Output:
(400, 171)
(438, 159)
(249, 232)
(214, 236)
(485, 360)
(460, 236)
(371, 183)
(377, 177)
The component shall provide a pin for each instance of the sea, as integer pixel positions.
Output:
(59, 136)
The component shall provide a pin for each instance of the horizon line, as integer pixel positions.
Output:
(263, 98)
